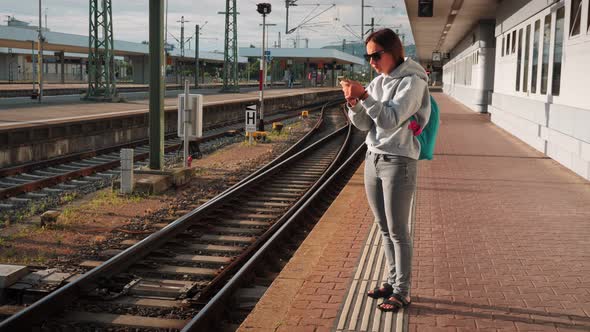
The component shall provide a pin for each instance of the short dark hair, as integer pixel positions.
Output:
(390, 42)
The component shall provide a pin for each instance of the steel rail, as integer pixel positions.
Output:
(86, 171)
(117, 264)
(214, 308)
(226, 273)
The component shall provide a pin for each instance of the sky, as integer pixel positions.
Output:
(130, 20)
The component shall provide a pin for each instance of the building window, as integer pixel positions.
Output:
(575, 17)
(518, 60)
(502, 46)
(513, 41)
(546, 44)
(535, 56)
(557, 51)
(526, 59)
(508, 44)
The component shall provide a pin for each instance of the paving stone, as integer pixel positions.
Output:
(499, 231)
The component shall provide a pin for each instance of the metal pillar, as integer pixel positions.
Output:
(182, 21)
(180, 65)
(157, 72)
(62, 57)
(230, 50)
(333, 74)
(34, 64)
(262, 75)
(40, 57)
(371, 74)
(197, 31)
(362, 21)
(101, 60)
(288, 3)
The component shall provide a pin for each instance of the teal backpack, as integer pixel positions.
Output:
(427, 138)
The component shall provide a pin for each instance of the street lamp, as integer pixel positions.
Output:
(264, 9)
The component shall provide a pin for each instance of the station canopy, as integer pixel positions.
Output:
(21, 38)
(302, 55)
(450, 22)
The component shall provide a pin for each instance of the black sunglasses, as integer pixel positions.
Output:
(375, 56)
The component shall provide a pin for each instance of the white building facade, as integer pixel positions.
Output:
(541, 66)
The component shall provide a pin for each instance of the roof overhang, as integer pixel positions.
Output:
(451, 21)
(301, 55)
(13, 37)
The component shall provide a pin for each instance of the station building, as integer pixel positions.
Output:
(525, 62)
(311, 66)
(65, 58)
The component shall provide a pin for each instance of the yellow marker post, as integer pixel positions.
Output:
(277, 126)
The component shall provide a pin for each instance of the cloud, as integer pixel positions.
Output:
(131, 19)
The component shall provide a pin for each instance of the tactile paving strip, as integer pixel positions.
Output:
(359, 312)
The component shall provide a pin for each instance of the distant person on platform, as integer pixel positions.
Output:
(385, 109)
(290, 79)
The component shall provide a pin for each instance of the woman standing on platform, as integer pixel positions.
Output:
(394, 99)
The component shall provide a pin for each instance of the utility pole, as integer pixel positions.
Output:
(264, 9)
(268, 32)
(34, 62)
(40, 55)
(46, 9)
(343, 44)
(268, 44)
(288, 3)
(279, 39)
(262, 75)
(101, 59)
(372, 30)
(180, 64)
(230, 50)
(197, 32)
(182, 41)
(166, 25)
(157, 72)
(362, 21)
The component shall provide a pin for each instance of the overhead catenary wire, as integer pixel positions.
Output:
(308, 19)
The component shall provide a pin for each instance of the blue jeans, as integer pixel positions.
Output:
(390, 183)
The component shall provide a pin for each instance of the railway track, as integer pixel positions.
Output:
(42, 184)
(180, 277)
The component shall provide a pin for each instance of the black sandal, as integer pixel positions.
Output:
(384, 291)
(394, 305)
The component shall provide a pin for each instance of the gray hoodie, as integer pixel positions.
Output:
(393, 99)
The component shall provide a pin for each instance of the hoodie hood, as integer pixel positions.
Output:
(408, 68)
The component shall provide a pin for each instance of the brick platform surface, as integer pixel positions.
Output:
(502, 238)
(501, 243)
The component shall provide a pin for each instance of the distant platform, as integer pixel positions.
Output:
(32, 114)
(12, 90)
